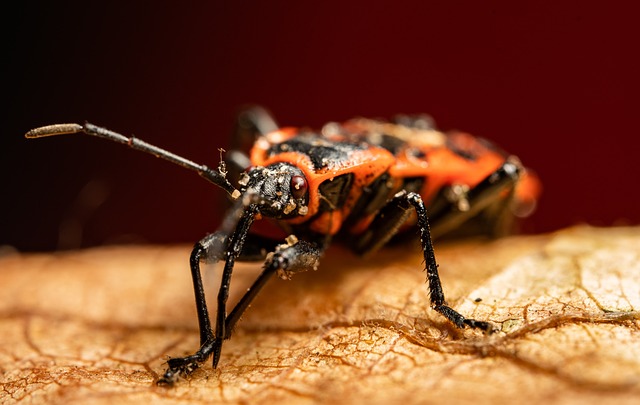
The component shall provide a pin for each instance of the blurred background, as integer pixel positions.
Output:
(555, 83)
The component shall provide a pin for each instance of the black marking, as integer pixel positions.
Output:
(322, 152)
(335, 192)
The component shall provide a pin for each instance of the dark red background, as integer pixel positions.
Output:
(554, 83)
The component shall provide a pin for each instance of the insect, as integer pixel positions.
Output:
(364, 179)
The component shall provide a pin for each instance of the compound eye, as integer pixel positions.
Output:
(298, 186)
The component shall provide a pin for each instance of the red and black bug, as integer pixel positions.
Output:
(364, 179)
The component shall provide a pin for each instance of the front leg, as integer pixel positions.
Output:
(288, 258)
(211, 248)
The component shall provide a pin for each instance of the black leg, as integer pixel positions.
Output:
(291, 257)
(212, 248)
(435, 287)
(387, 222)
(233, 251)
(447, 216)
(251, 122)
(487, 212)
(204, 324)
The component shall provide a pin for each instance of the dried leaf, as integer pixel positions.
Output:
(96, 326)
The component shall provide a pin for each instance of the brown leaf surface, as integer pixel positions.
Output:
(96, 326)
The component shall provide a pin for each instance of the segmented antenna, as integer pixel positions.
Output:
(213, 176)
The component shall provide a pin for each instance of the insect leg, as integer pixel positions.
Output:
(386, 224)
(212, 248)
(234, 249)
(447, 217)
(255, 248)
(435, 287)
(251, 122)
(292, 257)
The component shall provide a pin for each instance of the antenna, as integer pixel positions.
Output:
(213, 176)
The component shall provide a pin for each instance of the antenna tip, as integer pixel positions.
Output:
(56, 129)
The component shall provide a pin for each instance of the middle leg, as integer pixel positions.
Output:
(387, 223)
